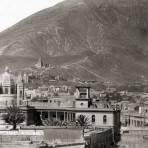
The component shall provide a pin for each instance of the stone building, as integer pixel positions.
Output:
(39, 63)
(135, 119)
(11, 89)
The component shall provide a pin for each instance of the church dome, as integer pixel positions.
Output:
(7, 78)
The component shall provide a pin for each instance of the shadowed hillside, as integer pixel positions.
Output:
(106, 39)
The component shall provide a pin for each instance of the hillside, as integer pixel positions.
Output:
(107, 40)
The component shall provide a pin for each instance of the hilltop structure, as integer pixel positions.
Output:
(39, 63)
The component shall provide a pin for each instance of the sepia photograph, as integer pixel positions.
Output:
(73, 73)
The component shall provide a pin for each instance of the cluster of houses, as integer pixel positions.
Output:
(63, 107)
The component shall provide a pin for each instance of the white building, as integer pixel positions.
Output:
(11, 89)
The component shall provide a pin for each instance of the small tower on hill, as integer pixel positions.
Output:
(39, 63)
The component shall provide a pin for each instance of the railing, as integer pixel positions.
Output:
(47, 104)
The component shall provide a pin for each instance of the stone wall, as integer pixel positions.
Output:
(100, 139)
(21, 135)
(63, 135)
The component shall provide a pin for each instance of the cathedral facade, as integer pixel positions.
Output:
(11, 89)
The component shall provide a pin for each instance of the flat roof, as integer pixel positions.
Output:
(137, 115)
(74, 109)
(83, 86)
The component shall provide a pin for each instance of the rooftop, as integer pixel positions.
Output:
(136, 114)
(46, 107)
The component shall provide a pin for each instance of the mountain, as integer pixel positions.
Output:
(94, 39)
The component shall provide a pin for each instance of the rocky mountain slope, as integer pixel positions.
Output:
(105, 39)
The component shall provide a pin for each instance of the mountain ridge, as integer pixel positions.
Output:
(112, 35)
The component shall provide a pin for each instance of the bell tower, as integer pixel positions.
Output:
(20, 90)
(82, 96)
(8, 88)
(39, 63)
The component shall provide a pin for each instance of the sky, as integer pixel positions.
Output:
(12, 11)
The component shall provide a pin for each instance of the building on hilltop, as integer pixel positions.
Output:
(39, 63)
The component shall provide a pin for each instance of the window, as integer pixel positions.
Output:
(83, 95)
(45, 115)
(12, 91)
(93, 118)
(6, 90)
(13, 102)
(82, 104)
(21, 93)
(104, 119)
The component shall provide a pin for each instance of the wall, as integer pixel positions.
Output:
(99, 118)
(78, 104)
(21, 136)
(78, 145)
(7, 99)
(17, 145)
(63, 138)
(63, 135)
(113, 121)
(134, 139)
(100, 139)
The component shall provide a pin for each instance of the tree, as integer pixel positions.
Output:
(83, 121)
(14, 116)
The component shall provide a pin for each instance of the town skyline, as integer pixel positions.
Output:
(74, 75)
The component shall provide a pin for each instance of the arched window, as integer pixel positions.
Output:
(93, 118)
(1, 91)
(21, 93)
(104, 119)
(12, 90)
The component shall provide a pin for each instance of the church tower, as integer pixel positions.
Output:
(82, 96)
(25, 78)
(7, 82)
(20, 90)
(7, 88)
(39, 63)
